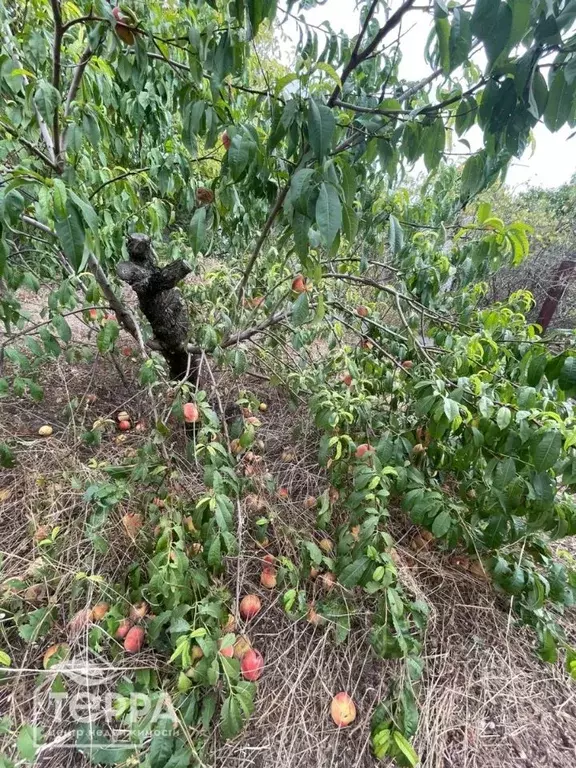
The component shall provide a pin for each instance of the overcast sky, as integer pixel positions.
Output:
(552, 161)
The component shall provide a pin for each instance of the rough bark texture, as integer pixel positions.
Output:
(555, 293)
(161, 302)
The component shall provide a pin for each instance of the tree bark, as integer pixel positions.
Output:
(161, 303)
(550, 304)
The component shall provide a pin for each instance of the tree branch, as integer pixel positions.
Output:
(260, 242)
(122, 313)
(236, 338)
(75, 84)
(118, 178)
(56, 72)
(358, 57)
(28, 144)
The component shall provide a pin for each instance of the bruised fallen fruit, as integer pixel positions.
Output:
(124, 425)
(427, 535)
(55, 654)
(93, 314)
(328, 581)
(191, 413)
(99, 611)
(268, 578)
(347, 380)
(255, 503)
(283, 493)
(269, 559)
(196, 653)
(314, 573)
(230, 625)
(298, 284)
(91, 398)
(138, 611)
(226, 140)
(41, 533)
(127, 351)
(123, 628)
(123, 416)
(288, 455)
(263, 407)
(313, 616)
(363, 311)
(355, 531)
(310, 502)
(363, 449)
(227, 651)
(252, 665)
(241, 647)
(407, 364)
(132, 524)
(134, 640)
(342, 710)
(418, 449)
(326, 546)
(45, 430)
(477, 569)
(418, 544)
(250, 606)
(123, 32)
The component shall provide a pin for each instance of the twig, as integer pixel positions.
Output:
(117, 178)
(358, 57)
(28, 144)
(56, 70)
(244, 335)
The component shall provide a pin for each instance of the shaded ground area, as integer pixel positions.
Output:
(486, 700)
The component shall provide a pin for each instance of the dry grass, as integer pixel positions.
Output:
(486, 702)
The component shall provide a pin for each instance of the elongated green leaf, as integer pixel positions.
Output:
(231, 718)
(460, 41)
(161, 748)
(46, 100)
(406, 748)
(560, 100)
(395, 234)
(328, 212)
(70, 231)
(321, 125)
(546, 450)
(198, 230)
(300, 310)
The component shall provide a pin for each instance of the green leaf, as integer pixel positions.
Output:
(546, 450)
(520, 20)
(4, 659)
(460, 38)
(442, 27)
(46, 100)
(352, 574)
(434, 138)
(560, 100)
(567, 378)
(239, 156)
(473, 176)
(300, 310)
(395, 234)
(161, 748)
(198, 230)
(107, 335)
(442, 524)
(214, 556)
(503, 417)
(7, 458)
(62, 327)
(231, 718)
(321, 125)
(28, 741)
(504, 473)
(406, 748)
(70, 231)
(536, 370)
(328, 212)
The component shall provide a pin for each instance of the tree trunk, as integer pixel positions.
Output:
(555, 293)
(161, 302)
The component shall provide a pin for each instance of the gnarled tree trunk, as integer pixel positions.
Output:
(161, 303)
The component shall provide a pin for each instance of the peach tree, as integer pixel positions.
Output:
(142, 143)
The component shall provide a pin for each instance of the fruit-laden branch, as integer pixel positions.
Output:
(161, 303)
